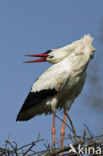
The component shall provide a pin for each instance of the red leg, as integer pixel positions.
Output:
(53, 130)
(63, 129)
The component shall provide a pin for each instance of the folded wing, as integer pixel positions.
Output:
(46, 86)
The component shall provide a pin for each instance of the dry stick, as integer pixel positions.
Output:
(74, 131)
(4, 151)
(84, 135)
(24, 146)
(50, 151)
(15, 150)
(80, 137)
(58, 151)
(16, 145)
(89, 131)
(71, 138)
(45, 151)
(97, 137)
(41, 152)
(75, 146)
(30, 144)
(53, 152)
(33, 144)
(22, 151)
(64, 122)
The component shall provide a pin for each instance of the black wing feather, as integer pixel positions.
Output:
(34, 98)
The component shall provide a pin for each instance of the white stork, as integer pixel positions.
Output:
(60, 84)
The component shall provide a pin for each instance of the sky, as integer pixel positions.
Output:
(34, 26)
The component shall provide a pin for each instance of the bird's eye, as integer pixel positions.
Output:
(51, 56)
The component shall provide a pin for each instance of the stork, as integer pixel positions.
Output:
(60, 84)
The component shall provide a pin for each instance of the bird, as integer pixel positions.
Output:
(58, 86)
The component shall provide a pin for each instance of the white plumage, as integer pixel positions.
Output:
(60, 84)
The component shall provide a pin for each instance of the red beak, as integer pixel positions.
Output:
(43, 59)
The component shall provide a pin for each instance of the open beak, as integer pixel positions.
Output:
(42, 59)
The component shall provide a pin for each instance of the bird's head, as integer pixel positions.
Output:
(53, 56)
(56, 55)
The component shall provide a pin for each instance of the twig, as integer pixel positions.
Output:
(84, 135)
(58, 151)
(12, 147)
(73, 129)
(33, 144)
(29, 144)
(64, 122)
(89, 131)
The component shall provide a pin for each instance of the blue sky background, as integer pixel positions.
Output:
(34, 26)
